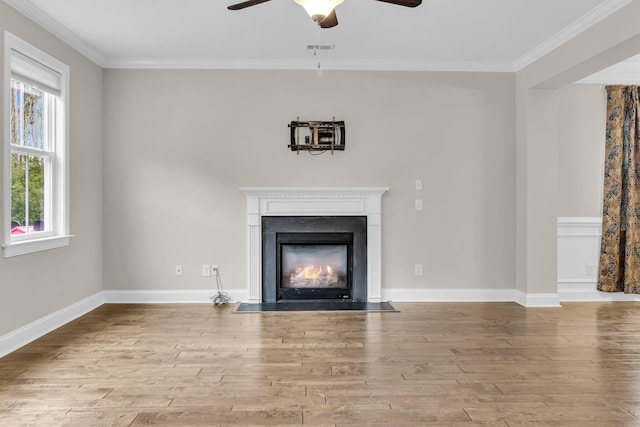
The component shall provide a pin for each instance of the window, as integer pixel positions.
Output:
(35, 206)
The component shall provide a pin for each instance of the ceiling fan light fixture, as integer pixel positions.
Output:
(319, 9)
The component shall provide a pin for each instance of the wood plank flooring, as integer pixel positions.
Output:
(445, 364)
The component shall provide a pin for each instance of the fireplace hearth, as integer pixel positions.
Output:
(314, 258)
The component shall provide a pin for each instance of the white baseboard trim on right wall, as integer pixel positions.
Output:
(471, 295)
(537, 300)
(447, 295)
(587, 291)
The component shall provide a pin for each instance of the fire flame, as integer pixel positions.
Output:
(313, 276)
(313, 272)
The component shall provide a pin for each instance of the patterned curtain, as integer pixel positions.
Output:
(620, 247)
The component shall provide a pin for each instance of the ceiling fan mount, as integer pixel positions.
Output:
(323, 12)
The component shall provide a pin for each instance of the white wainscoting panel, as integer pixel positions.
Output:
(578, 247)
(578, 259)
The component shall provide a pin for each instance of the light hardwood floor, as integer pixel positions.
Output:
(448, 364)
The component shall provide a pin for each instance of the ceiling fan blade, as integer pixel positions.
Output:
(246, 4)
(330, 21)
(407, 3)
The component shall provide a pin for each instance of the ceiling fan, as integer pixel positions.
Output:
(323, 11)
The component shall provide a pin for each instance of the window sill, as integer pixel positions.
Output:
(35, 245)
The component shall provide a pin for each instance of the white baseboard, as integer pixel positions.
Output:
(537, 300)
(586, 290)
(202, 296)
(471, 295)
(196, 296)
(34, 330)
(448, 295)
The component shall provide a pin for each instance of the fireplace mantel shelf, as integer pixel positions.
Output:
(318, 201)
(312, 192)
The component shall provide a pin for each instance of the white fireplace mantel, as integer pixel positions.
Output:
(314, 201)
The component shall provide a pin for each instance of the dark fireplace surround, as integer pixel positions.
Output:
(287, 238)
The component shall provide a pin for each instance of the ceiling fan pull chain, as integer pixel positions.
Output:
(317, 45)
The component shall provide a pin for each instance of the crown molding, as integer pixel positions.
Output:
(578, 26)
(57, 29)
(311, 65)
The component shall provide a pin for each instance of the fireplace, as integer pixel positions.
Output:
(314, 258)
(309, 201)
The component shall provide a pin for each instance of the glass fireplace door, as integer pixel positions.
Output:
(314, 265)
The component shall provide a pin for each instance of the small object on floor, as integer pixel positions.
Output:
(315, 306)
(221, 298)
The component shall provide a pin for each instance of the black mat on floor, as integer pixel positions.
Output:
(314, 306)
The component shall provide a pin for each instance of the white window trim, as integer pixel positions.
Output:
(60, 194)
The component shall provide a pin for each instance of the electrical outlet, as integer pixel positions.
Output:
(418, 184)
(591, 270)
(418, 204)
(178, 270)
(206, 270)
(214, 270)
(418, 269)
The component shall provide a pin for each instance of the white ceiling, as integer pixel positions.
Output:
(470, 35)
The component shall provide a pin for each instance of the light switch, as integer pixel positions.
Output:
(206, 270)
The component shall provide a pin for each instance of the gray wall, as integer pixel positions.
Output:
(583, 109)
(180, 143)
(35, 285)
